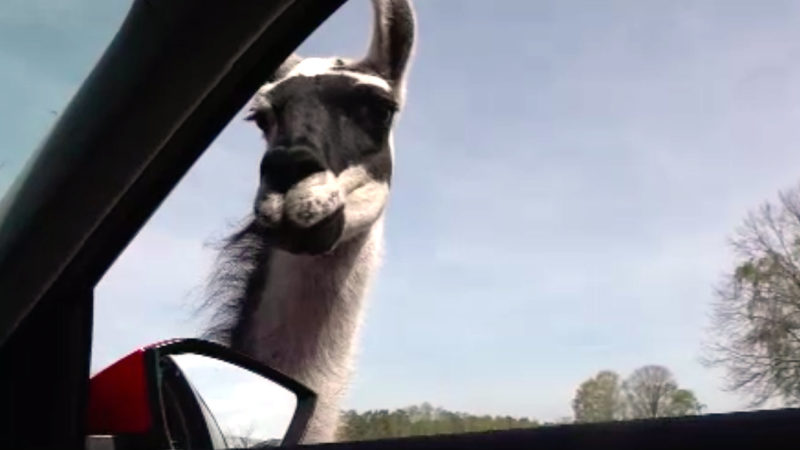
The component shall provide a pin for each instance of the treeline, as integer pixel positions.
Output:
(421, 420)
(648, 392)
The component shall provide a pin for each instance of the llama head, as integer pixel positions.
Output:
(327, 122)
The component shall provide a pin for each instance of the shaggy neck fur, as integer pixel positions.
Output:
(301, 313)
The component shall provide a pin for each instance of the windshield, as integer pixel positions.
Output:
(46, 51)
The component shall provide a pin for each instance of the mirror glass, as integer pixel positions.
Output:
(249, 410)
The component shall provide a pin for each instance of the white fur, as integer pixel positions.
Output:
(364, 206)
(366, 199)
(391, 145)
(311, 67)
(309, 318)
(271, 209)
(353, 177)
(313, 199)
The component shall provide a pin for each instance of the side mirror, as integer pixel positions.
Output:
(194, 394)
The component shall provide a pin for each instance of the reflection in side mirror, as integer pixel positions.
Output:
(249, 410)
(193, 394)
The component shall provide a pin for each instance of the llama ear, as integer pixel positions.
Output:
(286, 67)
(392, 39)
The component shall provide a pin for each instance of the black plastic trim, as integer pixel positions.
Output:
(749, 430)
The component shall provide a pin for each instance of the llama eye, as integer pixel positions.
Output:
(376, 111)
(262, 119)
(381, 115)
(386, 116)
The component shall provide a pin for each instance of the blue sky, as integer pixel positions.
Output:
(567, 174)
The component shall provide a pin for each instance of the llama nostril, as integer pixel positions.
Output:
(282, 168)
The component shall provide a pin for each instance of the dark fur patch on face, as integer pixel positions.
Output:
(343, 121)
(379, 166)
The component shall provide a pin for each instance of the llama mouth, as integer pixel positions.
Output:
(313, 199)
(319, 239)
(307, 211)
(306, 204)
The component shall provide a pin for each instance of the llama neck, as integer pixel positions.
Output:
(308, 316)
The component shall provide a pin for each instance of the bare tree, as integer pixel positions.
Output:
(651, 391)
(756, 319)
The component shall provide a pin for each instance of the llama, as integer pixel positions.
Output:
(290, 285)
